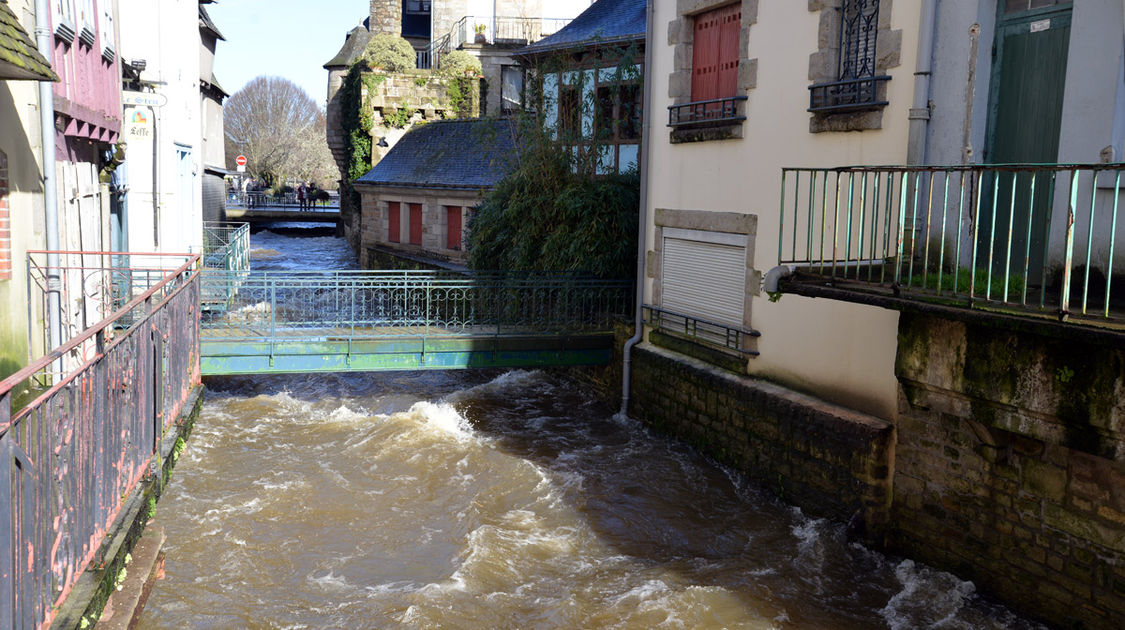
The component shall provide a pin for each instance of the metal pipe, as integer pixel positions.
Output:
(642, 216)
(918, 141)
(50, 188)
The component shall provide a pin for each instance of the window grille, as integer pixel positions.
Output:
(856, 86)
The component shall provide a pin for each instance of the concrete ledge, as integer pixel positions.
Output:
(124, 607)
(87, 599)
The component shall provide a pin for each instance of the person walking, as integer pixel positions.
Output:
(302, 193)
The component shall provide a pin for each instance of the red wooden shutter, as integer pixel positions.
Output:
(730, 35)
(453, 224)
(415, 224)
(394, 223)
(714, 62)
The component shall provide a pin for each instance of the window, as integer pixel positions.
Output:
(511, 88)
(857, 86)
(416, 6)
(105, 26)
(1016, 6)
(62, 14)
(715, 55)
(5, 222)
(394, 222)
(415, 224)
(570, 112)
(86, 18)
(453, 227)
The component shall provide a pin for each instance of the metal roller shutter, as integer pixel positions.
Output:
(704, 280)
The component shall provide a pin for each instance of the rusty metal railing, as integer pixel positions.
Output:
(70, 456)
(1022, 236)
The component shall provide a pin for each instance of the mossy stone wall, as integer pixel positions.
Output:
(1010, 465)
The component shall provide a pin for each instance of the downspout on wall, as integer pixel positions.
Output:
(642, 215)
(50, 188)
(918, 140)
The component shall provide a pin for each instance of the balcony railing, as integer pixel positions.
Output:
(701, 330)
(70, 456)
(1028, 236)
(496, 30)
(719, 111)
(847, 95)
(226, 246)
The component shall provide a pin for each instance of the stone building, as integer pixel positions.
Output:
(418, 199)
(928, 349)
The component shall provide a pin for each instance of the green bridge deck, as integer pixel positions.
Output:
(291, 322)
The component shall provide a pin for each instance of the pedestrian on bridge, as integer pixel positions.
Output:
(302, 196)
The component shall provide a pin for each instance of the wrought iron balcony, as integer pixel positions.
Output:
(1029, 237)
(713, 112)
(847, 95)
(496, 30)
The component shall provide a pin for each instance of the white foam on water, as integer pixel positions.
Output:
(330, 581)
(928, 598)
(443, 419)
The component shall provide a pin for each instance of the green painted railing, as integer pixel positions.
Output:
(1026, 236)
(369, 320)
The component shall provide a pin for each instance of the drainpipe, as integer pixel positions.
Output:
(642, 217)
(918, 142)
(50, 192)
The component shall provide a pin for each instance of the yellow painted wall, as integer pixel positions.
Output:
(839, 351)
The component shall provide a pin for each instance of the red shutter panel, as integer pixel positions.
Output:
(453, 224)
(705, 57)
(415, 224)
(730, 36)
(394, 222)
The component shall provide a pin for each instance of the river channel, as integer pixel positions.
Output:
(494, 500)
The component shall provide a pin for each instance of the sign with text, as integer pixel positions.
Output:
(148, 99)
(138, 123)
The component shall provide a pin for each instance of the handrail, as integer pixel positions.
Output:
(703, 330)
(1014, 236)
(19, 377)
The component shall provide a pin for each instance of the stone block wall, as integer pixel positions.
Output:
(375, 224)
(1010, 465)
(828, 460)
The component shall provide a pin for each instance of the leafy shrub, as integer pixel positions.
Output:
(390, 52)
(458, 63)
(544, 216)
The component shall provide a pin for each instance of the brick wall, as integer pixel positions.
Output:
(828, 460)
(1010, 465)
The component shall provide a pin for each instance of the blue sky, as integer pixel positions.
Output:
(285, 38)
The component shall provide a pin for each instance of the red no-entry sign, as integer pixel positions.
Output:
(240, 160)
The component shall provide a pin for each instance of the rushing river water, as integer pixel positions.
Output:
(494, 500)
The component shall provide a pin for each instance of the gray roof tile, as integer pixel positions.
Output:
(466, 154)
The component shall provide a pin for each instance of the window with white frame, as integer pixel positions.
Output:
(87, 20)
(105, 26)
(62, 15)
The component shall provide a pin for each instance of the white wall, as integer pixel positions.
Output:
(165, 33)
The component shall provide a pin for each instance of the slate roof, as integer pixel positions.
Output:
(354, 44)
(605, 22)
(208, 24)
(468, 154)
(19, 59)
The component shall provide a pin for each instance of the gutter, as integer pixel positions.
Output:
(919, 140)
(642, 215)
(50, 188)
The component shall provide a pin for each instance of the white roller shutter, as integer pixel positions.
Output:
(704, 280)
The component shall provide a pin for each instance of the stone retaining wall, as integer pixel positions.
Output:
(1011, 466)
(827, 460)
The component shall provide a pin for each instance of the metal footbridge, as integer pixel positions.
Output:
(255, 322)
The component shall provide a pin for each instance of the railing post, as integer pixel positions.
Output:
(1064, 299)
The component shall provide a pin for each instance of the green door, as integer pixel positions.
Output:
(1025, 116)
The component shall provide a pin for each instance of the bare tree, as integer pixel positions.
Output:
(280, 130)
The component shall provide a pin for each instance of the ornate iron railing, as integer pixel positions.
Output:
(1033, 236)
(847, 95)
(70, 456)
(717, 111)
(702, 330)
(378, 304)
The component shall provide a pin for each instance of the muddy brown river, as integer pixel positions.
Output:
(495, 500)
